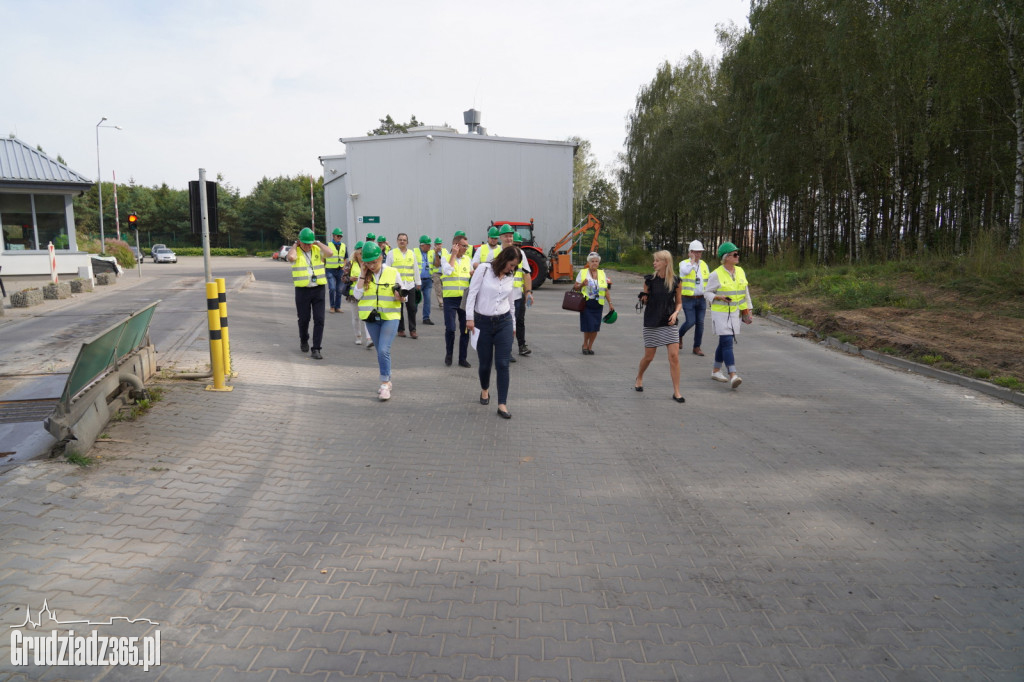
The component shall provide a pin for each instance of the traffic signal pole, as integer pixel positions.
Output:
(205, 213)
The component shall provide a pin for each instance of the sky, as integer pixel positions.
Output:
(262, 88)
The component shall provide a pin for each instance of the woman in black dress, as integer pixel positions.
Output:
(664, 301)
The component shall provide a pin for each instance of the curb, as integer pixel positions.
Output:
(999, 392)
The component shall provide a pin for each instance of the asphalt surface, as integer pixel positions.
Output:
(831, 519)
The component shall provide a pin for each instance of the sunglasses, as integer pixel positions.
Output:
(735, 253)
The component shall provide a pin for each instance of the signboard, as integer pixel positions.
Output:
(369, 218)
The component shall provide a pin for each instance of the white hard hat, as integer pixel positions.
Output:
(695, 245)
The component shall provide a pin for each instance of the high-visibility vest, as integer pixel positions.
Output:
(404, 263)
(300, 273)
(689, 282)
(733, 287)
(337, 257)
(355, 271)
(428, 257)
(602, 284)
(380, 295)
(455, 284)
(488, 252)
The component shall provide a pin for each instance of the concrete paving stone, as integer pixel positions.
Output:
(375, 662)
(481, 645)
(280, 638)
(502, 669)
(279, 659)
(287, 676)
(407, 625)
(238, 658)
(340, 622)
(632, 651)
(443, 625)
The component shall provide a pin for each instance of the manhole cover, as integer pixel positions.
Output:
(22, 411)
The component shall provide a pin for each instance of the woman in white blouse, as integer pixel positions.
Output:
(489, 307)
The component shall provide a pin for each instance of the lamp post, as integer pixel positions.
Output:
(99, 180)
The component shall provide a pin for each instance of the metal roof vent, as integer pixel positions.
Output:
(472, 119)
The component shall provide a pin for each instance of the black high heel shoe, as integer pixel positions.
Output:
(483, 400)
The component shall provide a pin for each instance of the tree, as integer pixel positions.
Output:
(389, 127)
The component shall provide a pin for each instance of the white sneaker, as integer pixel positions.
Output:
(385, 392)
(735, 381)
(359, 341)
(718, 376)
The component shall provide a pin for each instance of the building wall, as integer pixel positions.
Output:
(420, 185)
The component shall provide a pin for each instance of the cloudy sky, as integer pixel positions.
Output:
(260, 88)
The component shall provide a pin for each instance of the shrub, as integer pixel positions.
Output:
(635, 255)
(218, 251)
(122, 252)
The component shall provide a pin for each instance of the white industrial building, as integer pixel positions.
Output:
(434, 181)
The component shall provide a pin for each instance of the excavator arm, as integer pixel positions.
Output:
(560, 263)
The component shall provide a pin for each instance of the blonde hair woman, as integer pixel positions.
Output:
(662, 296)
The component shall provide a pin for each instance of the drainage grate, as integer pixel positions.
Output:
(23, 411)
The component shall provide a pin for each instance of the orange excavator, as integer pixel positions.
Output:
(559, 258)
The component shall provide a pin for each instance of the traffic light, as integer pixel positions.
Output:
(133, 221)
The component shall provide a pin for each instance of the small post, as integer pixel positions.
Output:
(222, 299)
(216, 347)
(205, 213)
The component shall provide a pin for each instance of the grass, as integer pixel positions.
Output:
(80, 460)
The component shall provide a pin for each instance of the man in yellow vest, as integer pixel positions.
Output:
(308, 258)
(487, 252)
(424, 261)
(337, 266)
(455, 273)
(693, 277)
(404, 260)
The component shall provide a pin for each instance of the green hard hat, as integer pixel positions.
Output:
(370, 236)
(381, 239)
(492, 233)
(459, 233)
(517, 238)
(337, 232)
(506, 229)
(438, 240)
(727, 247)
(306, 236)
(359, 245)
(371, 252)
(424, 239)
(611, 317)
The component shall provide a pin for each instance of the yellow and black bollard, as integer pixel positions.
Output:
(222, 299)
(216, 343)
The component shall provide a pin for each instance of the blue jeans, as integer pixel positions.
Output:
(383, 335)
(454, 314)
(334, 284)
(724, 354)
(694, 307)
(494, 344)
(426, 287)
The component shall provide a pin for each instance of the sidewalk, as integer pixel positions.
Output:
(832, 519)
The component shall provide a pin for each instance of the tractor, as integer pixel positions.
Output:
(557, 265)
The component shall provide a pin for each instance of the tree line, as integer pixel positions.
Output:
(836, 130)
(270, 215)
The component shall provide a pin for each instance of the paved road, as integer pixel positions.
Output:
(831, 519)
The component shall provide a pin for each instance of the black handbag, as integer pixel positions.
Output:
(573, 300)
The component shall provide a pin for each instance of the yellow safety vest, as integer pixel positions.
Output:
(734, 288)
(689, 283)
(485, 251)
(405, 264)
(380, 295)
(602, 284)
(300, 274)
(337, 257)
(355, 271)
(455, 284)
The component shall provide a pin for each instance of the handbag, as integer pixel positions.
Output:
(573, 300)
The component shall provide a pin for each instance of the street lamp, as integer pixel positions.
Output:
(99, 180)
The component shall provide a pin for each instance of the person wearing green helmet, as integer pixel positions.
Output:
(308, 257)
(595, 284)
(382, 244)
(354, 272)
(486, 252)
(380, 294)
(437, 252)
(337, 265)
(728, 295)
(424, 259)
(403, 259)
(455, 274)
(523, 294)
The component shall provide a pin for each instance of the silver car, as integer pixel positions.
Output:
(164, 255)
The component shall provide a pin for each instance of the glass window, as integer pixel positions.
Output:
(51, 219)
(16, 216)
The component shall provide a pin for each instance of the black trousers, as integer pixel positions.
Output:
(408, 311)
(521, 321)
(309, 302)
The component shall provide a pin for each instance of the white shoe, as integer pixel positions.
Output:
(385, 392)
(735, 381)
(718, 376)
(359, 341)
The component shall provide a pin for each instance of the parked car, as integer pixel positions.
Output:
(138, 254)
(282, 253)
(165, 255)
(152, 252)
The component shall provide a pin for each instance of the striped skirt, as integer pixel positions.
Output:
(655, 337)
